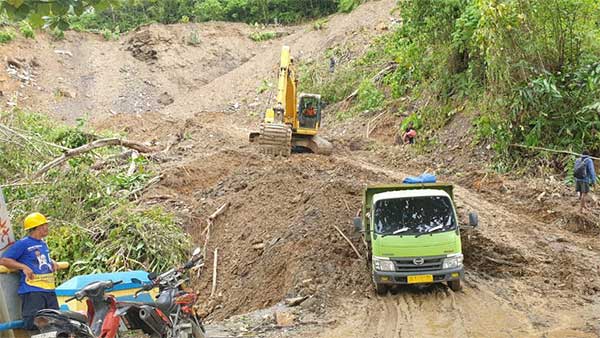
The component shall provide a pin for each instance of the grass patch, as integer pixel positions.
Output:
(263, 36)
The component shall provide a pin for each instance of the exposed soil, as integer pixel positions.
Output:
(532, 266)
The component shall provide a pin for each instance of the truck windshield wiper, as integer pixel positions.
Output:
(430, 230)
(395, 232)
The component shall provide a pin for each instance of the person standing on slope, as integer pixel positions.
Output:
(585, 176)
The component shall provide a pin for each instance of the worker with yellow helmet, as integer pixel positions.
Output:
(31, 256)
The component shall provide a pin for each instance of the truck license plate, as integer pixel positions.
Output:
(420, 279)
(45, 335)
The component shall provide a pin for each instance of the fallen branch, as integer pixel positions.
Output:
(369, 130)
(219, 211)
(375, 78)
(91, 146)
(6, 129)
(551, 150)
(210, 222)
(502, 261)
(118, 157)
(150, 182)
(349, 242)
(10, 185)
(214, 280)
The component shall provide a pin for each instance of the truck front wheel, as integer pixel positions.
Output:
(381, 289)
(455, 285)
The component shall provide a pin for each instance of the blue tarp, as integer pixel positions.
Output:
(423, 178)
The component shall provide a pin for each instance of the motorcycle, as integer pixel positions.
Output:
(172, 315)
(100, 321)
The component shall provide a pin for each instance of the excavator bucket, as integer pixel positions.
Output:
(274, 139)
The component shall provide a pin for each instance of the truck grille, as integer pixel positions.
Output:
(408, 264)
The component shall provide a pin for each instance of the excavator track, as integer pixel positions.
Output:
(275, 139)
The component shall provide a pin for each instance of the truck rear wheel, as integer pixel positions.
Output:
(455, 285)
(381, 289)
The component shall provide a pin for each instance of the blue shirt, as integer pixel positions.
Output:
(591, 173)
(35, 254)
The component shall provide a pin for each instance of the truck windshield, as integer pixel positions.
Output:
(414, 215)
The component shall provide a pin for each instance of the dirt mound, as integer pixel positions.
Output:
(277, 239)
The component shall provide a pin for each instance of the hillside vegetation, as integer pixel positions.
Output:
(123, 15)
(527, 72)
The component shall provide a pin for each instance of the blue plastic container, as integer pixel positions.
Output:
(123, 292)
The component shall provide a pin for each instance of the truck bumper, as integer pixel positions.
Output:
(391, 278)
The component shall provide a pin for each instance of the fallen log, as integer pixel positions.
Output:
(91, 146)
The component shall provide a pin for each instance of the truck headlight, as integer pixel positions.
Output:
(453, 261)
(384, 264)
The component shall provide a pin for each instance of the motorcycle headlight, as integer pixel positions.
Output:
(384, 264)
(454, 261)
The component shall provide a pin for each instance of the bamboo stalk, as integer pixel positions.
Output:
(214, 280)
(349, 242)
(552, 150)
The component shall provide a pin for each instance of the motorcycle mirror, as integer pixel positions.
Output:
(136, 281)
(152, 276)
(196, 252)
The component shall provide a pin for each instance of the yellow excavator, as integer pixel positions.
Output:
(294, 120)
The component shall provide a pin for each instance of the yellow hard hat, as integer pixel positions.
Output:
(34, 220)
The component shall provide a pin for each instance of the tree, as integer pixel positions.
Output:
(51, 12)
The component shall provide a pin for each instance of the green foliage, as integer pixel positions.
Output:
(263, 36)
(320, 24)
(369, 97)
(26, 30)
(109, 34)
(347, 6)
(6, 36)
(264, 86)
(94, 225)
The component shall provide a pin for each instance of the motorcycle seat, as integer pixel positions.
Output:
(80, 317)
(68, 314)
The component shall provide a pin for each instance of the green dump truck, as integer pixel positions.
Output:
(412, 235)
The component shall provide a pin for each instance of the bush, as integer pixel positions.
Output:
(95, 226)
(263, 36)
(6, 36)
(369, 97)
(26, 30)
(347, 6)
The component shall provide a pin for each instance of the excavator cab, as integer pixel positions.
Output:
(309, 109)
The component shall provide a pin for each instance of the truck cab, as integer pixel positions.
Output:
(412, 235)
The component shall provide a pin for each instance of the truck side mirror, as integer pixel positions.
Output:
(357, 224)
(473, 219)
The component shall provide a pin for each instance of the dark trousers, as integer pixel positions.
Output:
(32, 302)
